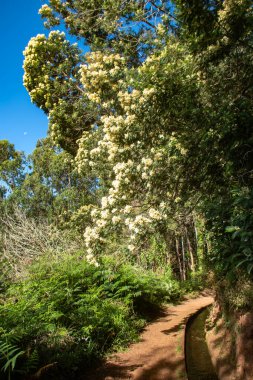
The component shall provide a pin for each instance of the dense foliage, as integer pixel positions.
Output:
(171, 126)
(71, 312)
(148, 160)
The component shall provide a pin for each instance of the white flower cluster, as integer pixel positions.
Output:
(101, 74)
(41, 67)
(45, 11)
(30, 61)
(140, 155)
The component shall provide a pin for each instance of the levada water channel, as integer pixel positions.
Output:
(198, 361)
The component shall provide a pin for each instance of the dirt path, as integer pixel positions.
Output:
(159, 355)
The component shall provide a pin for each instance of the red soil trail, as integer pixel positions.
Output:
(159, 355)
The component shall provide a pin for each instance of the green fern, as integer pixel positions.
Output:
(9, 354)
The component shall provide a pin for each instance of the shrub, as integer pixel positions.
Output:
(25, 239)
(236, 294)
(197, 281)
(71, 311)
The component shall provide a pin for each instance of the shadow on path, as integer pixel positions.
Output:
(168, 367)
(159, 355)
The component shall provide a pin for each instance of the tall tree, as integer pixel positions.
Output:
(12, 164)
(166, 128)
(53, 189)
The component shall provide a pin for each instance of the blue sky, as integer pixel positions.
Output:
(21, 122)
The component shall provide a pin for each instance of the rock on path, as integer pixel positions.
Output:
(159, 355)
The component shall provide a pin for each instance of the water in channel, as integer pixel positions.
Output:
(198, 361)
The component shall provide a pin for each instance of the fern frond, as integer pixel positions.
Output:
(9, 353)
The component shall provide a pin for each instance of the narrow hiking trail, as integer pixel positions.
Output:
(159, 355)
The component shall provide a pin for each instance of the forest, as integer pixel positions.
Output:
(141, 193)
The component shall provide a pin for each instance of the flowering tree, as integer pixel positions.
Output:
(138, 112)
(144, 146)
(52, 79)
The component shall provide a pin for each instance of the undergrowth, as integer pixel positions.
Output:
(235, 293)
(68, 312)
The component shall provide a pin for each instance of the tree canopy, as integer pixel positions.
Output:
(159, 111)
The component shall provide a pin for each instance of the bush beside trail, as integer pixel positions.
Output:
(71, 312)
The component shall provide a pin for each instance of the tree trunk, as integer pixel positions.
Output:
(178, 260)
(183, 259)
(192, 263)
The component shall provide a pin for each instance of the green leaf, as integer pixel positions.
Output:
(12, 361)
(230, 229)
